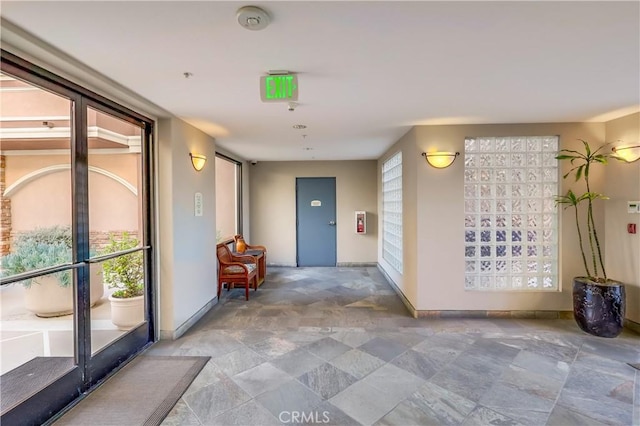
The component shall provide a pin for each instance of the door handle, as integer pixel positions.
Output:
(332, 222)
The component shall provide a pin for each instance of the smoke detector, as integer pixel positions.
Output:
(253, 18)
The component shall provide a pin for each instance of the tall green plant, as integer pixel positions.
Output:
(581, 163)
(124, 273)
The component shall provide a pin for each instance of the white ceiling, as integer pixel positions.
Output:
(367, 71)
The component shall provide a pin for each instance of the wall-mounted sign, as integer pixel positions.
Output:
(316, 203)
(197, 200)
(279, 88)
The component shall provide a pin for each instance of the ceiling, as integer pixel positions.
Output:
(367, 71)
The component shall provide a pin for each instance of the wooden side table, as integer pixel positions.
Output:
(258, 256)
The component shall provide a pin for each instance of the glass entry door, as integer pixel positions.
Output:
(76, 239)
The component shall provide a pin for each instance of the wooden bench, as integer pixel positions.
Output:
(260, 255)
(234, 269)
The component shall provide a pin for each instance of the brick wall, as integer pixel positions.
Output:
(97, 239)
(5, 212)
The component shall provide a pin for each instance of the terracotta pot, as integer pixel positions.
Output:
(47, 298)
(599, 308)
(128, 312)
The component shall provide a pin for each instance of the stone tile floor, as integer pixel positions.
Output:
(336, 346)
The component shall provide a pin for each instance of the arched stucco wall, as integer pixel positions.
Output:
(113, 200)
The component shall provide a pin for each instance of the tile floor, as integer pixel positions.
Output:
(335, 346)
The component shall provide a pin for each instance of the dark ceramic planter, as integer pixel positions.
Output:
(599, 308)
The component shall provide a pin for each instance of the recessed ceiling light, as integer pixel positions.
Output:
(299, 126)
(306, 148)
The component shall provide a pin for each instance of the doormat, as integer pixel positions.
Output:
(32, 376)
(141, 393)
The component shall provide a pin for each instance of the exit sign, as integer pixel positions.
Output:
(279, 88)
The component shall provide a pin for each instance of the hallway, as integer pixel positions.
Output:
(336, 346)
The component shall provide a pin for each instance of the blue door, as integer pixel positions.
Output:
(316, 221)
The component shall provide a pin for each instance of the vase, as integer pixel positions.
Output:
(599, 308)
(241, 246)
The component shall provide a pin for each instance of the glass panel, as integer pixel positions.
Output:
(487, 144)
(470, 283)
(37, 315)
(470, 206)
(392, 212)
(115, 219)
(486, 283)
(469, 236)
(227, 203)
(470, 144)
(37, 333)
(470, 160)
(512, 186)
(470, 176)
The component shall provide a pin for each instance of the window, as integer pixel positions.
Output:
(511, 238)
(392, 211)
(228, 197)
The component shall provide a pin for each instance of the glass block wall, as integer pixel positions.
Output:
(511, 220)
(392, 211)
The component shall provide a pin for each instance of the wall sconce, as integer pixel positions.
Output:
(198, 161)
(628, 153)
(440, 159)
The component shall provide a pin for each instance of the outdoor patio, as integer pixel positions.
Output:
(24, 336)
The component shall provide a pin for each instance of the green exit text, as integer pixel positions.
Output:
(279, 87)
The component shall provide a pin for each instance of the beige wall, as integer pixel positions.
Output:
(187, 244)
(112, 206)
(438, 221)
(272, 192)
(622, 258)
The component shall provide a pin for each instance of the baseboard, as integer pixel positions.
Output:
(412, 310)
(355, 264)
(496, 314)
(174, 334)
(476, 313)
(285, 265)
(632, 325)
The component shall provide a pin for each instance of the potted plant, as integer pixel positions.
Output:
(48, 295)
(598, 301)
(125, 274)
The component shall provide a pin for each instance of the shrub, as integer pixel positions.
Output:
(40, 248)
(124, 273)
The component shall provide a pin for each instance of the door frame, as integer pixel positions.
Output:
(88, 369)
